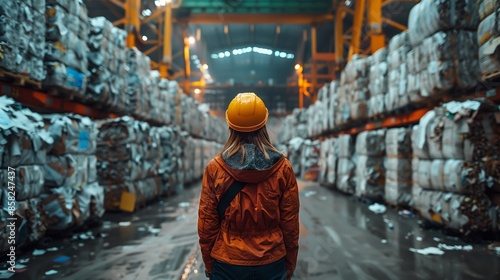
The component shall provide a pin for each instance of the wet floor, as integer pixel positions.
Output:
(340, 239)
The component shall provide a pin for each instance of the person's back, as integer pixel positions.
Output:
(257, 235)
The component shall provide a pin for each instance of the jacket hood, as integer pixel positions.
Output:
(255, 168)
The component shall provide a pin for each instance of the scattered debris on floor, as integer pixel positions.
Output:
(377, 208)
(37, 252)
(5, 274)
(428, 251)
(310, 193)
(437, 239)
(384, 241)
(61, 259)
(51, 272)
(455, 247)
(406, 213)
(418, 238)
(184, 204)
(322, 198)
(124, 224)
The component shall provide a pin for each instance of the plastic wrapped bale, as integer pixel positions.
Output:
(323, 154)
(355, 79)
(137, 82)
(398, 177)
(346, 179)
(331, 163)
(397, 96)
(454, 211)
(431, 16)
(72, 134)
(378, 82)
(59, 75)
(333, 105)
(370, 171)
(294, 153)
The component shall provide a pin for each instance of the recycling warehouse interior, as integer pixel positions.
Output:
(388, 111)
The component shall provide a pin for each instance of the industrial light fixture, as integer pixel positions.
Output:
(197, 91)
(258, 50)
(146, 13)
(297, 66)
(144, 38)
(191, 40)
(205, 66)
(161, 3)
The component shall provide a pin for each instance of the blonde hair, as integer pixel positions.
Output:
(236, 141)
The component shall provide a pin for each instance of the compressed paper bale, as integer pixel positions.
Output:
(488, 28)
(28, 181)
(397, 193)
(489, 56)
(31, 222)
(433, 141)
(59, 75)
(61, 171)
(92, 169)
(487, 7)
(60, 206)
(454, 176)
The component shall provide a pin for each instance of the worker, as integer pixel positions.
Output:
(248, 223)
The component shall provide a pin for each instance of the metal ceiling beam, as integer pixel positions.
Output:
(258, 18)
(339, 40)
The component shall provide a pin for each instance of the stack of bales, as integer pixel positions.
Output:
(23, 149)
(370, 165)
(398, 176)
(66, 48)
(72, 195)
(128, 155)
(106, 65)
(346, 181)
(398, 97)
(309, 162)
(164, 111)
(378, 86)
(444, 54)
(461, 143)
(169, 163)
(488, 37)
(22, 38)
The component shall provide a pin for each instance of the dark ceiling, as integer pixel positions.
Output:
(251, 68)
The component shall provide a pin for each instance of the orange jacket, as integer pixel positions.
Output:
(260, 226)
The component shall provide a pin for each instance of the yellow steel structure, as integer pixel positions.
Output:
(167, 42)
(375, 25)
(357, 26)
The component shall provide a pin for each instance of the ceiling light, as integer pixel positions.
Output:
(191, 40)
(194, 57)
(227, 53)
(144, 38)
(221, 55)
(277, 53)
(282, 54)
(289, 56)
(197, 91)
(146, 13)
(214, 56)
(297, 66)
(205, 66)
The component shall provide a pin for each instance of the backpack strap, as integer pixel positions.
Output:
(228, 196)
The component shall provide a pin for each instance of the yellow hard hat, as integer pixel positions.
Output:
(246, 112)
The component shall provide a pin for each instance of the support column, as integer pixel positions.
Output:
(187, 62)
(314, 69)
(339, 37)
(375, 25)
(132, 21)
(359, 11)
(167, 42)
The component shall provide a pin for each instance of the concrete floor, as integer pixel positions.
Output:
(340, 239)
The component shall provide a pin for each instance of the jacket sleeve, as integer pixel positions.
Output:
(289, 223)
(208, 220)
